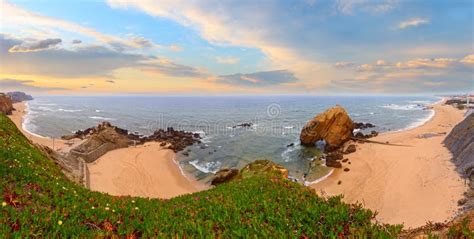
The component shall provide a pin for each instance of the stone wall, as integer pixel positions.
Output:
(93, 155)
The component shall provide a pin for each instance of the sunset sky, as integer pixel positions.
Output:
(237, 47)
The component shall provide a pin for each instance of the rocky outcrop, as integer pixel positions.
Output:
(361, 135)
(106, 137)
(460, 141)
(258, 167)
(358, 125)
(224, 175)
(177, 140)
(18, 96)
(333, 126)
(243, 125)
(6, 105)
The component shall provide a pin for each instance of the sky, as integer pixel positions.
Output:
(215, 47)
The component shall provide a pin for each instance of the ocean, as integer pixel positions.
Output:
(276, 123)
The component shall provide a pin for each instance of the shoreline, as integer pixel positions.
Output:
(18, 118)
(173, 183)
(399, 182)
(423, 122)
(147, 170)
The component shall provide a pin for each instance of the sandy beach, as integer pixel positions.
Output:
(57, 144)
(410, 184)
(146, 170)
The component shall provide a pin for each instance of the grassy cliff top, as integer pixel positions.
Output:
(39, 201)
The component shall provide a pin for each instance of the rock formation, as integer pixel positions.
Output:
(260, 167)
(334, 126)
(224, 175)
(358, 125)
(105, 137)
(460, 141)
(6, 105)
(18, 96)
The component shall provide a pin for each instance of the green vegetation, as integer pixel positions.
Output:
(461, 229)
(39, 201)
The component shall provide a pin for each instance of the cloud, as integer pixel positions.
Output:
(85, 60)
(469, 59)
(167, 67)
(110, 81)
(141, 42)
(7, 84)
(343, 64)
(418, 63)
(413, 23)
(13, 15)
(175, 47)
(227, 60)
(349, 6)
(258, 79)
(410, 76)
(76, 42)
(35, 46)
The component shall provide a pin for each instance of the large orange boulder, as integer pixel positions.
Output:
(6, 105)
(333, 126)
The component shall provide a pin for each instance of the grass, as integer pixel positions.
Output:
(39, 201)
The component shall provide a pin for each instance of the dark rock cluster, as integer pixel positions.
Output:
(361, 135)
(358, 125)
(243, 125)
(176, 140)
(334, 158)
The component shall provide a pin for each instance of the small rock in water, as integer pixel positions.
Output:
(339, 182)
(349, 162)
(346, 170)
(291, 145)
(345, 160)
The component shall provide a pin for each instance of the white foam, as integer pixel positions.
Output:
(286, 154)
(306, 183)
(98, 111)
(208, 167)
(65, 110)
(422, 102)
(289, 127)
(47, 104)
(100, 118)
(401, 107)
(26, 124)
(419, 122)
(44, 108)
